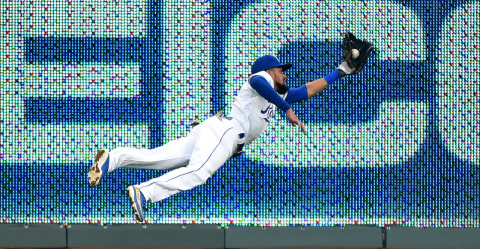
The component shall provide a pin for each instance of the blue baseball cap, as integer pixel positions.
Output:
(266, 62)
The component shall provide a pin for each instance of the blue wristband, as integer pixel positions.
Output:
(333, 76)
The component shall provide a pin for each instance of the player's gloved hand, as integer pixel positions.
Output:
(351, 65)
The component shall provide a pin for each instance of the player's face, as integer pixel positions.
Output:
(279, 79)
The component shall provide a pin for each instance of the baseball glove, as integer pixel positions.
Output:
(351, 65)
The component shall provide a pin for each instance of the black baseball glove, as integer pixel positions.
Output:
(351, 65)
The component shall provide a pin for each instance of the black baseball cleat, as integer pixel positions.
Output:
(99, 167)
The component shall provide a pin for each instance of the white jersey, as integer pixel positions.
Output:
(251, 110)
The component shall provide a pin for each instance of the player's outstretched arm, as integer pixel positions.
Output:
(355, 55)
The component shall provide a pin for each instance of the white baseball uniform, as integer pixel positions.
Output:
(197, 156)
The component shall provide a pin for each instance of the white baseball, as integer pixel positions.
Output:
(355, 53)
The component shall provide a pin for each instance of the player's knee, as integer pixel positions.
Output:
(201, 177)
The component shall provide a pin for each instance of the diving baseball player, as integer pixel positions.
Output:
(197, 156)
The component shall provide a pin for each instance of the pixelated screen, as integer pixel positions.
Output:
(397, 143)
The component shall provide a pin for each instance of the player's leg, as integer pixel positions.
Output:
(200, 168)
(171, 155)
(216, 142)
(214, 147)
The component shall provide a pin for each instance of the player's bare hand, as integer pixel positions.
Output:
(292, 117)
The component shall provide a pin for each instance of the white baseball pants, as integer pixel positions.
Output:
(194, 158)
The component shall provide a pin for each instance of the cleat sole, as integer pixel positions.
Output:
(95, 172)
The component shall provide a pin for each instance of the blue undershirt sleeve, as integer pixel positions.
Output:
(261, 85)
(297, 94)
